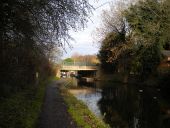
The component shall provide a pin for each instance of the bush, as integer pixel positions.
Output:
(22, 110)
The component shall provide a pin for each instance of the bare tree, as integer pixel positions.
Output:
(113, 21)
(85, 58)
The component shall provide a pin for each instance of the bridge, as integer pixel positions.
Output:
(82, 69)
(78, 66)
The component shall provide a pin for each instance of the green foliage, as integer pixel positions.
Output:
(146, 60)
(146, 20)
(149, 21)
(68, 60)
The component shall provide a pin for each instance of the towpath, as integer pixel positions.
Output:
(54, 111)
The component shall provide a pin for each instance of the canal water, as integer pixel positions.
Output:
(126, 106)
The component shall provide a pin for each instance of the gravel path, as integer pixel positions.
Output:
(54, 112)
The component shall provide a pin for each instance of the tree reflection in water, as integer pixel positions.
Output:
(125, 106)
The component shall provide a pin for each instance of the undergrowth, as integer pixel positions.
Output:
(21, 110)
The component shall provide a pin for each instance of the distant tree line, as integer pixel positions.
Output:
(30, 31)
(76, 57)
(134, 37)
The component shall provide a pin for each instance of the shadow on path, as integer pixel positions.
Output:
(54, 111)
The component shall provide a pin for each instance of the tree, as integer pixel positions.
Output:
(116, 43)
(68, 60)
(46, 20)
(29, 30)
(85, 58)
(149, 27)
(135, 36)
(105, 53)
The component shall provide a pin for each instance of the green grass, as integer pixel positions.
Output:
(80, 112)
(22, 110)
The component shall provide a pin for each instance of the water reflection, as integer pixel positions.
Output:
(91, 99)
(126, 106)
(117, 107)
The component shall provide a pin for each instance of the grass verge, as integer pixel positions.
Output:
(80, 112)
(22, 110)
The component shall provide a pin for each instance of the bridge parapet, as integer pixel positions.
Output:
(78, 64)
(76, 68)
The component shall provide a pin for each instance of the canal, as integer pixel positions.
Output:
(126, 106)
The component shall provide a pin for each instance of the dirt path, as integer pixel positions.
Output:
(54, 113)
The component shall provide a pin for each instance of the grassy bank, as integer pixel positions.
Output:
(80, 112)
(22, 110)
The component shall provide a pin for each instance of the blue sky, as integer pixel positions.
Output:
(84, 42)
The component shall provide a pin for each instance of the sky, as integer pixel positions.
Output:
(84, 43)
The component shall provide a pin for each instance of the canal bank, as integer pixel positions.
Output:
(79, 110)
(125, 105)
